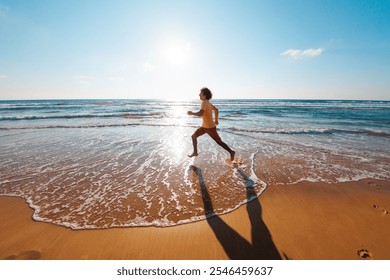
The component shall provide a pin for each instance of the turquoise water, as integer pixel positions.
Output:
(116, 163)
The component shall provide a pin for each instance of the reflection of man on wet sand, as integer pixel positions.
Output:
(208, 125)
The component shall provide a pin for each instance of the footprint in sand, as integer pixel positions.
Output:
(364, 254)
(28, 255)
(383, 212)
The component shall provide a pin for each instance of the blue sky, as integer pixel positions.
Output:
(170, 49)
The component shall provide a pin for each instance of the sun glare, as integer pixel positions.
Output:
(178, 117)
(177, 53)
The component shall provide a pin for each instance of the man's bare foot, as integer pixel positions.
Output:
(193, 155)
(232, 154)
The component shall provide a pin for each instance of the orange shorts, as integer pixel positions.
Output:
(210, 131)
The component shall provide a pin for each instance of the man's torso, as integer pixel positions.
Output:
(207, 114)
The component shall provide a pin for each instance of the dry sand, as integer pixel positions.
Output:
(303, 221)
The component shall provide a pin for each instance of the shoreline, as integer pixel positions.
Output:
(305, 221)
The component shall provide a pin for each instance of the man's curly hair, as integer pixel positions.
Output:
(206, 92)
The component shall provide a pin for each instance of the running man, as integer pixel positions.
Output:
(208, 126)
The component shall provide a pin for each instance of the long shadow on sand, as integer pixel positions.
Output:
(235, 246)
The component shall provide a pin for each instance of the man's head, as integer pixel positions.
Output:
(206, 93)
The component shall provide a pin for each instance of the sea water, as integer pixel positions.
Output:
(119, 163)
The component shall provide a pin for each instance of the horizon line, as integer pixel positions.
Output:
(194, 99)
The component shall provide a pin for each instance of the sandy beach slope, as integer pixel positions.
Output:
(303, 221)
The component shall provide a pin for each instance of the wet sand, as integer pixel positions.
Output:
(302, 221)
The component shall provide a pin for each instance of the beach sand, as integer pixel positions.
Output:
(309, 221)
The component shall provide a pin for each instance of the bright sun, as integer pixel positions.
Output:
(177, 53)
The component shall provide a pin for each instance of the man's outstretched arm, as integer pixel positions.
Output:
(198, 114)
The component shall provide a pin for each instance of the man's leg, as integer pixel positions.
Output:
(214, 134)
(199, 132)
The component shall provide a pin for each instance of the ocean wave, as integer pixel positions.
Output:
(37, 107)
(171, 122)
(97, 125)
(318, 131)
(120, 114)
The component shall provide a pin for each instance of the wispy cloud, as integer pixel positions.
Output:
(147, 67)
(85, 80)
(299, 54)
(116, 79)
(3, 77)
